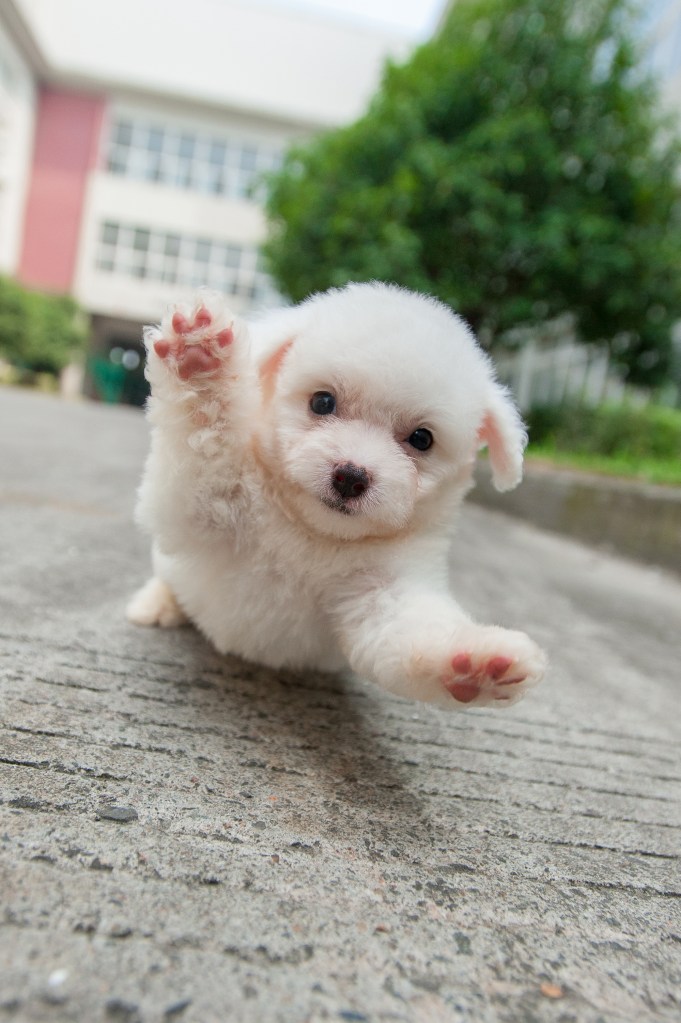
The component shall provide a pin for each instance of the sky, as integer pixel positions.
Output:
(413, 18)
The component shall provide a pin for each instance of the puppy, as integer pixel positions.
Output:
(303, 483)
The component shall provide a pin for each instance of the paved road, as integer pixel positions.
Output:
(311, 849)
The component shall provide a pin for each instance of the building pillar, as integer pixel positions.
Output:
(67, 146)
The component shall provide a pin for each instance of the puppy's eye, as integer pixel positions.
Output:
(322, 403)
(421, 439)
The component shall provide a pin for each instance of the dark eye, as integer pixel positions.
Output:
(322, 403)
(421, 439)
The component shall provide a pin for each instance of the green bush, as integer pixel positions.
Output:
(39, 333)
(653, 432)
(516, 166)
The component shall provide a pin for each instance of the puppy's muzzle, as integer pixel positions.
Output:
(350, 480)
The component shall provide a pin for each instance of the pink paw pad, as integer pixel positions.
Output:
(498, 666)
(181, 324)
(193, 348)
(202, 318)
(473, 680)
(162, 348)
(196, 359)
(461, 663)
(463, 692)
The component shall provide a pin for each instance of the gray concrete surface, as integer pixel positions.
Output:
(635, 519)
(307, 849)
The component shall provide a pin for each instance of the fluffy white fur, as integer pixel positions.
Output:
(251, 540)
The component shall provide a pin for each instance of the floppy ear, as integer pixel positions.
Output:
(274, 336)
(270, 368)
(502, 431)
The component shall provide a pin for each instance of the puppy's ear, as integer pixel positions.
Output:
(269, 369)
(502, 431)
(275, 336)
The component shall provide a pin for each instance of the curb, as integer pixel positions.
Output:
(639, 520)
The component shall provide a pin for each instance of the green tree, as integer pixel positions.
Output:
(38, 332)
(518, 167)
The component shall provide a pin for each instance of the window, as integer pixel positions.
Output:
(216, 165)
(184, 260)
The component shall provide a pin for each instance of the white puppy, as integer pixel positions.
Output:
(303, 484)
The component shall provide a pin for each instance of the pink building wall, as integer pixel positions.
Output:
(67, 142)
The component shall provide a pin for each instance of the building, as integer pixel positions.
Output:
(129, 169)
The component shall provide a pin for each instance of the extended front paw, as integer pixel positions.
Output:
(491, 666)
(193, 341)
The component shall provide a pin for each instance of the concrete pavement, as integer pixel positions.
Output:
(638, 520)
(190, 838)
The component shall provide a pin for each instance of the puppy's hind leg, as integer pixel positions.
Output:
(155, 604)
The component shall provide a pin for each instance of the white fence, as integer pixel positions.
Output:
(552, 367)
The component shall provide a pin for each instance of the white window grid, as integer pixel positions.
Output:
(184, 260)
(202, 161)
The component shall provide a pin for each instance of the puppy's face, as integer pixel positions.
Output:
(374, 410)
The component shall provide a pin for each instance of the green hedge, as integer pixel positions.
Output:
(38, 332)
(609, 430)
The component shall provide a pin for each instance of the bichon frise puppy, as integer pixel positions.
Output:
(303, 483)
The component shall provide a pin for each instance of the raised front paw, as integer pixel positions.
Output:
(193, 341)
(492, 666)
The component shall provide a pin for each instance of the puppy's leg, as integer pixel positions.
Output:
(155, 604)
(192, 358)
(203, 392)
(421, 644)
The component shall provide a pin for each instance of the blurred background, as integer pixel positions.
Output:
(517, 158)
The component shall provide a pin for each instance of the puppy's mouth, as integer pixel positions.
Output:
(348, 506)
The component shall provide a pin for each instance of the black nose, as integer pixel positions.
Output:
(350, 480)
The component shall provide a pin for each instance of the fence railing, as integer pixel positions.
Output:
(551, 367)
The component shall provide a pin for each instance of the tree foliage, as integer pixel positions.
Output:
(38, 332)
(518, 167)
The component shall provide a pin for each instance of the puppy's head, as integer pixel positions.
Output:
(375, 402)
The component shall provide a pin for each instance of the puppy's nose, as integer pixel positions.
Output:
(350, 480)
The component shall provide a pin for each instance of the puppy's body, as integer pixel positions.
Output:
(306, 531)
